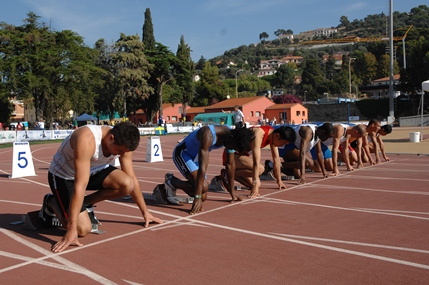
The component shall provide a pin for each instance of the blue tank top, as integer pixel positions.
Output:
(193, 144)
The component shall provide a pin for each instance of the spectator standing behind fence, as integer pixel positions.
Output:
(239, 117)
(165, 127)
(41, 125)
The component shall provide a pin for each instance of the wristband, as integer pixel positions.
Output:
(255, 181)
(197, 196)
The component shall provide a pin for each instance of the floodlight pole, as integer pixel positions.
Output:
(391, 117)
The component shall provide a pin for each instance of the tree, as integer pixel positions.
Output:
(365, 68)
(383, 68)
(200, 63)
(183, 73)
(148, 35)
(5, 108)
(210, 87)
(133, 73)
(417, 64)
(163, 61)
(109, 92)
(285, 76)
(312, 78)
(278, 33)
(263, 36)
(54, 71)
(344, 21)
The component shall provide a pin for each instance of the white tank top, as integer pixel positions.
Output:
(62, 164)
(330, 141)
(311, 143)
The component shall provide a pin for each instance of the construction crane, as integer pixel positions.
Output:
(353, 39)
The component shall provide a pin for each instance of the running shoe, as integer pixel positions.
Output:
(267, 167)
(224, 180)
(44, 214)
(56, 222)
(160, 194)
(94, 221)
(170, 190)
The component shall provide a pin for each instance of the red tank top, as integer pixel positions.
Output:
(264, 142)
(266, 129)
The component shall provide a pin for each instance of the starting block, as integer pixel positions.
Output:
(31, 221)
(270, 176)
(215, 185)
(154, 151)
(239, 188)
(160, 197)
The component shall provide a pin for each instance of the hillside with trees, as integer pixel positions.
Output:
(55, 72)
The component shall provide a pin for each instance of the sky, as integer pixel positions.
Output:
(209, 27)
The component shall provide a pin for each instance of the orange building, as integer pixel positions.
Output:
(291, 113)
(193, 111)
(253, 108)
(172, 113)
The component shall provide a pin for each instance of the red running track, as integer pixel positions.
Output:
(369, 226)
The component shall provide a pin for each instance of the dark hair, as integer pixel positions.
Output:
(361, 129)
(387, 129)
(127, 134)
(328, 128)
(244, 137)
(373, 121)
(286, 133)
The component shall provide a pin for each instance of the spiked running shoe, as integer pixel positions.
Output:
(170, 190)
(44, 214)
(267, 167)
(94, 221)
(224, 180)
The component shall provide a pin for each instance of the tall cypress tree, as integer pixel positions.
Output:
(148, 36)
(183, 73)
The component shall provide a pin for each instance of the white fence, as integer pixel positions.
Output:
(37, 135)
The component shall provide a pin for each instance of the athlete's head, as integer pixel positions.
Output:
(126, 134)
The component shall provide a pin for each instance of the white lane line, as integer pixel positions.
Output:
(367, 189)
(48, 254)
(372, 256)
(356, 243)
(192, 220)
(348, 209)
(394, 211)
(387, 178)
(271, 236)
(42, 262)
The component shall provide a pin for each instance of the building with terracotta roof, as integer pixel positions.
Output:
(291, 113)
(379, 88)
(253, 108)
(172, 113)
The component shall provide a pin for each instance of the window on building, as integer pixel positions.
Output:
(174, 118)
(298, 113)
(303, 113)
(251, 113)
(258, 114)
